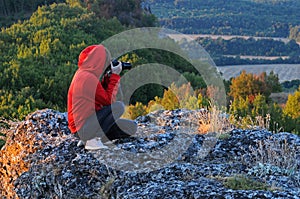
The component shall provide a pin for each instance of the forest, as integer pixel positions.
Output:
(228, 52)
(262, 18)
(250, 106)
(230, 17)
(14, 10)
(39, 59)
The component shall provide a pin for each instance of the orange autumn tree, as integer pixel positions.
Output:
(250, 95)
(248, 85)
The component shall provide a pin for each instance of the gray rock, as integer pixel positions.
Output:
(165, 159)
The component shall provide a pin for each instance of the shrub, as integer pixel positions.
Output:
(292, 108)
(137, 110)
(272, 156)
(244, 183)
(213, 120)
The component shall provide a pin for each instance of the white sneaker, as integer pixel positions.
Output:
(95, 144)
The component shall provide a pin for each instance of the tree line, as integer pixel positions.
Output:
(238, 17)
(249, 103)
(13, 10)
(128, 12)
(11, 7)
(250, 46)
(220, 48)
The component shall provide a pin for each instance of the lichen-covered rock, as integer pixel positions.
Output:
(25, 138)
(165, 159)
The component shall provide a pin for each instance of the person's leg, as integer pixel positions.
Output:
(110, 116)
(122, 129)
(90, 129)
(90, 134)
(100, 122)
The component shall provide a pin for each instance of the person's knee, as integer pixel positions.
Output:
(119, 104)
(128, 126)
(133, 126)
(118, 107)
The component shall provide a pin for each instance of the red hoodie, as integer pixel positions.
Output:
(86, 93)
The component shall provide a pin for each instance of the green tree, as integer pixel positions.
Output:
(273, 84)
(260, 107)
(41, 54)
(203, 101)
(240, 107)
(276, 118)
(195, 80)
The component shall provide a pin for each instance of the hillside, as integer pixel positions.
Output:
(39, 55)
(231, 17)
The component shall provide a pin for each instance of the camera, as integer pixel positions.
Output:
(125, 65)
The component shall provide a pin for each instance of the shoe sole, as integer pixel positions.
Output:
(95, 148)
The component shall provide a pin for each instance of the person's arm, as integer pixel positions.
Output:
(106, 92)
(115, 69)
(105, 81)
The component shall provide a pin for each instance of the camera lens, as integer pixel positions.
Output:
(125, 65)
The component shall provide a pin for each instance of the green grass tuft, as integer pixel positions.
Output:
(244, 183)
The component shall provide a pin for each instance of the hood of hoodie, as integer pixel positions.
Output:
(94, 59)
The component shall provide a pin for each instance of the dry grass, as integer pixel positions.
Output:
(213, 120)
(19, 144)
(259, 122)
(275, 152)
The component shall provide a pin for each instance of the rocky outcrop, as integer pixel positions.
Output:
(25, 138)
(167, 158)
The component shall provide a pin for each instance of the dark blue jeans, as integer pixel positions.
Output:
(107, 124)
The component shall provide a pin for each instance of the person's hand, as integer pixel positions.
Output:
(116, 69)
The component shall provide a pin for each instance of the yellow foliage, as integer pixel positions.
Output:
(292, 108)
(137, 110)
(18, 145)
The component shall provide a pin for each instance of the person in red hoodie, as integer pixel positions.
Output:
(93, 112)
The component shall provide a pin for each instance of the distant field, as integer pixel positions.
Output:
(258, 57)
(179, 36)
(286, 72)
